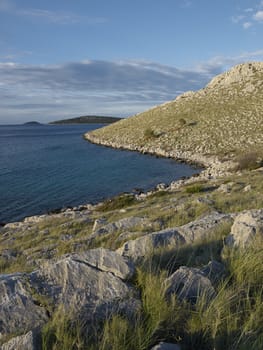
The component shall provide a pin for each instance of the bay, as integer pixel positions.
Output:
(45, 167)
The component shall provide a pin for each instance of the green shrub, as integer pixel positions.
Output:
(150, 133)
(249, 161)
(118, 202)
(196, 188)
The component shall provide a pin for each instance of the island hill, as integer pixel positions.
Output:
(178, 267)
(89, 119)
(216, 124)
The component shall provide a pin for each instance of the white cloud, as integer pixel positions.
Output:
(249, 16)
(258, 16)
(247, 25)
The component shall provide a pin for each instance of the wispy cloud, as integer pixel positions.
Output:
(113, 88)
(55, 17)
(249, 16)
(59, 17)
(48, 92)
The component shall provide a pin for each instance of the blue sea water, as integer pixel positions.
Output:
(45, 167)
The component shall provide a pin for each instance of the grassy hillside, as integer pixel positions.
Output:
(224, 119)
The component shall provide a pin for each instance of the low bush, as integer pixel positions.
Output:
(119, 202)
(249, 161)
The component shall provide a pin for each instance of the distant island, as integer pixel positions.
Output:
(90, 119)
(32, 123)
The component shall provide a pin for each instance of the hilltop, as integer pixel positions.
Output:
(89, 119)
(214, 124)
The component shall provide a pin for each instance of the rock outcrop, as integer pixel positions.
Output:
(247, 226)
(172, 237)
(90, 284)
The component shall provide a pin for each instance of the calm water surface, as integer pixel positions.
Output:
(51, 166)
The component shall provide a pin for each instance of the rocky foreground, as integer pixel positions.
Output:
(185, 230)
(179, 267)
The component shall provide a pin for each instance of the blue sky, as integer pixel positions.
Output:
(66, 58)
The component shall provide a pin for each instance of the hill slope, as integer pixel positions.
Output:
(218, 122)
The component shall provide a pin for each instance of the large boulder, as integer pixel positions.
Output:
(143, 246)
(91, 285)
(189, 283)
(246, 227)
(86, 281)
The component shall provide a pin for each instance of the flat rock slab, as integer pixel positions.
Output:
(203, 227)
(102, 228)
(172, 237)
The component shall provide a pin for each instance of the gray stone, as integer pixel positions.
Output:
(246, 227)
(28, 341)
(145, 245)
(90, 285)
(226, 188)
(101, 229)
(84, 281)
(214, 270)
(188, 284)
(204, 227)
(19, 310)
(166, 346)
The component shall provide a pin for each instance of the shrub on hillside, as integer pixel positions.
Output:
(249, 161)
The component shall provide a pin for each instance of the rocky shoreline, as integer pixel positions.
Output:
(213, 166)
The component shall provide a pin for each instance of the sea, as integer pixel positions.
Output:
(47, 167)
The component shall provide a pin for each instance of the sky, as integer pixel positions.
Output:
(66, 58)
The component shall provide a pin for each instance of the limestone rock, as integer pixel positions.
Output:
(202, 228)
(84, 281)
(247, 225)
(28, 341)
(214, 270)
(101, 229)
(19, 310)
(107, 261)
(143, 246)
(189, 283)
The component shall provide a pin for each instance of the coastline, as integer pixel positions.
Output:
(213, 167)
